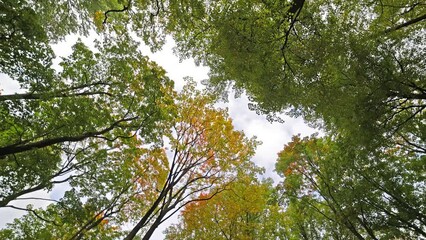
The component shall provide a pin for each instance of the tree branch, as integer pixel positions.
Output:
(48, 142)
(37, 96)
(406, 24)
(125, 8)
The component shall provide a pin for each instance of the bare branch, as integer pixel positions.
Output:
(35, 214)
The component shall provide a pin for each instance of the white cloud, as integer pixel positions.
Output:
(272, 135)
(8, 86)
(8, 214)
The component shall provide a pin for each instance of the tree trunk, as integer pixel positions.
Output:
(153, 227)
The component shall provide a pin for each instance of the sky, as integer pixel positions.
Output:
(272, 135)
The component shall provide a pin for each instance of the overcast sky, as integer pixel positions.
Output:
(272, 135)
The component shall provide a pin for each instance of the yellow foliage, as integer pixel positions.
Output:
(98, 19)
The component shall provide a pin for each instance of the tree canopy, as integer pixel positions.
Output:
(134, 181)
(108, 122)
(97, 99)
(245, 210)
(376, 197)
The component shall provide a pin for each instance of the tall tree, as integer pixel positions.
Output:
(360, 59)
(136, 181)
(97, 99)
(246, 210)
(101, 190)
(354, 65)
(373, 197)
(206, 155)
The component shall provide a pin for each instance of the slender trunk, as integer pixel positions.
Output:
(145, 218)
(89, 225)
(152, 228)
(353, 229)
(368, 229)
(295, 6)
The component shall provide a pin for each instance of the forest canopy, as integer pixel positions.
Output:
(134, 152)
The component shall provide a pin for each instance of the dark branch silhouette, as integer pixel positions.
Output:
(18, 148)
(406, 24)
(125, 8)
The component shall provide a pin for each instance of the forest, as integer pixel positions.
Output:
(136, 152)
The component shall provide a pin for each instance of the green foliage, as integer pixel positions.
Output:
(355, 65)
(28, 27)
(64, 219)
(132, 179)
(355, 68)
(343, 191)
(97, 100)
(25, 52)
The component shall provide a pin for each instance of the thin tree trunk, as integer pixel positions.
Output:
(153, 227)
(145, 218)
